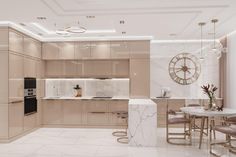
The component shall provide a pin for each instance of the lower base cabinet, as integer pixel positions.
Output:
(83, 112)
(30, 122)
(16, 120)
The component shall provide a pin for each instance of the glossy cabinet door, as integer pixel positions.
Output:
(73, 68)
(120, 50)
(100, 50)
(139, 49)
(97, 112)
(52, 112)
(16, 118)
(120, 68)
(30, 67)
(66, 50)
(54, 68)
(82, 50)
(16, 41)
(72, 112)
(16, 76)
(4, 39)
(30, 122)
(50, 51)
(4, 117)
(98, 68)
(32, 47)
(139, 78)
(114, 106)
(4, 77)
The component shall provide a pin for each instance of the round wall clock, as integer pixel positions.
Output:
(184, 68)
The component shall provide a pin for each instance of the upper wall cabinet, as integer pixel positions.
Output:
(139, 49)
(15, 42)
(66, 50)
(82, 50)
(32, 47)
(58, 50)
(100, 50)
(30, 67)
(4, 39)
(120, 49)
(50, 51)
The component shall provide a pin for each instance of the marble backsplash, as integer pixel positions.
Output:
(90, 87)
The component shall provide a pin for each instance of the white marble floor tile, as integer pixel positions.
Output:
(74, 142)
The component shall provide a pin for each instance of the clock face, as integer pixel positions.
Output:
(184, 68)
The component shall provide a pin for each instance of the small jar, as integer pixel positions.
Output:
(78, 90)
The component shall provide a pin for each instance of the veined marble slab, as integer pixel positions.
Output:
(142, 124)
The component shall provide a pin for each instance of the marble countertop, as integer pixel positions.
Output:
(180, 98)
(84, 98)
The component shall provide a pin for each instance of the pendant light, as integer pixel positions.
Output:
(216, 50)
(75, 29)
(201, 24)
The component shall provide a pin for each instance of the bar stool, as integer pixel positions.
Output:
(122, 135)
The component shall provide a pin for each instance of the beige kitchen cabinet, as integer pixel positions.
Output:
(66, 50)
(30, 67)
(98, 68)
(72, 112)
(82, 50)
(139, 49)
(39, 113)
(52, 112)
(120, 50)
(4, 39)
(32, 47)
(139, 78)
(97, 112)
(4, 61)
(30, 122)
(16, 41)
(16, 76)
(4, 121)
(16, 118)
(120, 68)
(114, 106)
(100, 50)
(73, 68)
(50, 51)
(54, 68)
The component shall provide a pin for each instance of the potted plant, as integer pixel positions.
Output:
(210, 90)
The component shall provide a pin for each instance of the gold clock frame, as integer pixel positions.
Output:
(184, 80)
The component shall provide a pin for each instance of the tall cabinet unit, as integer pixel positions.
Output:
(19, 57)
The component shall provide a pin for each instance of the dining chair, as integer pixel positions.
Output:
(229, 131)
(177, 118)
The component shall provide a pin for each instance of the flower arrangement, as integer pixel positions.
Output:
(210, 90)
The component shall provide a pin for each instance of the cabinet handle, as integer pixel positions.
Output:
(98, 112)
(15, 102)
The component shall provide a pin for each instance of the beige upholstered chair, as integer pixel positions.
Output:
(229, 131)
(177, 118)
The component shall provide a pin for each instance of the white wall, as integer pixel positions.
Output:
(231, 72)
(162, 53)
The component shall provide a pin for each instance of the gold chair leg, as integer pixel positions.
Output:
(201, 132)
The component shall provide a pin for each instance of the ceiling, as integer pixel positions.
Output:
(160, 19)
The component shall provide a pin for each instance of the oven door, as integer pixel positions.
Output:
(30, 105)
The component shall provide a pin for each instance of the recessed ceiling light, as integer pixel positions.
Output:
(172, 34)
(41, 18)
(40, 34)
(123, 32)
(122, 22)
(22, 24)
(90, 16)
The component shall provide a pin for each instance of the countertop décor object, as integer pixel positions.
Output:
(142, 123)
(184, 68)
(78, 91)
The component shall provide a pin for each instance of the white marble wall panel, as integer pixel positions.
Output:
(162, 53)
(90, 87)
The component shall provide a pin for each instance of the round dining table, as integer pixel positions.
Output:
(204, 114)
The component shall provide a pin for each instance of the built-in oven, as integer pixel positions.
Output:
(30, 98)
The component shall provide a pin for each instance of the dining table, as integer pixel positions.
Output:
(207, 114)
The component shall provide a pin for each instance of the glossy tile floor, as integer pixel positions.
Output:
(73, 142)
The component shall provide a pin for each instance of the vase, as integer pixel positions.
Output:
(211, 104)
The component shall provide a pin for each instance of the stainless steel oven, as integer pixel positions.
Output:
(30, 98)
